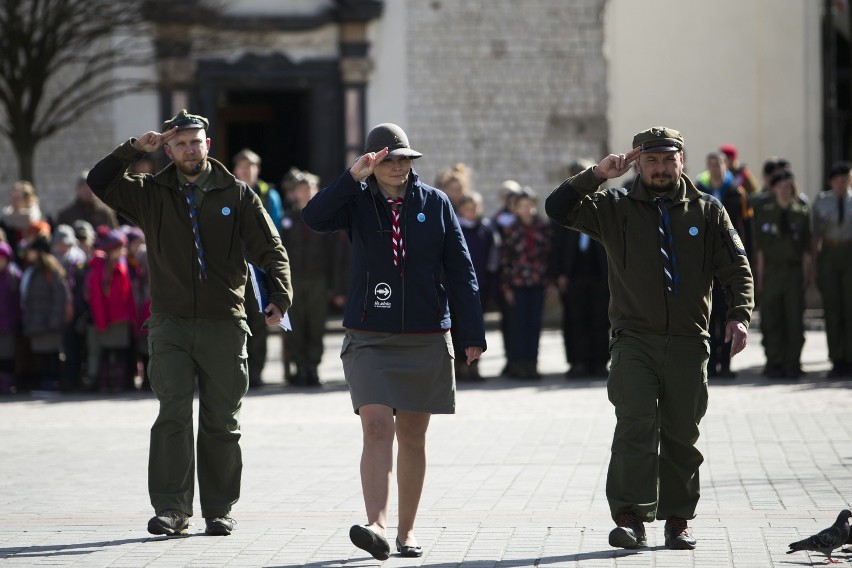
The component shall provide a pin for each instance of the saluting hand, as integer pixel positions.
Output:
(364, 166)
(151, 140)
(616, 165)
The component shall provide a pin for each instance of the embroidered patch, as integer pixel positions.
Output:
(738, 243)
(421, 217)
(226, 211)
(693, 231)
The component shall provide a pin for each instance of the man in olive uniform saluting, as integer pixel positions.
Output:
(665, 241)
(199, 222)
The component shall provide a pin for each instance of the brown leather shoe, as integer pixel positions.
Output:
(678, 535)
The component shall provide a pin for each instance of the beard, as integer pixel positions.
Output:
(661, 183)
(192, 167)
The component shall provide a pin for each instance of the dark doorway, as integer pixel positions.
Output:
(290, 114)
(272, 123)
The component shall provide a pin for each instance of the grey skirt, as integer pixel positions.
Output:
(412, 372)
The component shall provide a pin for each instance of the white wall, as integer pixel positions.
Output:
(727, 71)
(389, 82)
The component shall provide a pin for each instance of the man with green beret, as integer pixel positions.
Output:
(665, 241)
(200, 225)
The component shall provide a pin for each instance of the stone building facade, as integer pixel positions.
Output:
(513, 89)
(516, 90)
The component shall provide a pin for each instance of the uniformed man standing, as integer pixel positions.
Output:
(782, 274)
(246, 165)
(665, 241)
(198, 221)
(832, 246)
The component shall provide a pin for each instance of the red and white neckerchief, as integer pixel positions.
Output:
(396, 236)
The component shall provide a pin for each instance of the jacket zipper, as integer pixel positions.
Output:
(160, 230)
(404, 216)
(366, 293)
(624, 241)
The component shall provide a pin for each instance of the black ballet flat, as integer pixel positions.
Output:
(408, 551)
(365, 539)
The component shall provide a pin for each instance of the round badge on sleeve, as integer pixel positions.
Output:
(421, 217)
(226, 211)
(693, 231)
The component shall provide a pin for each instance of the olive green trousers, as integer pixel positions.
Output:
(214, 352)
(658, 385)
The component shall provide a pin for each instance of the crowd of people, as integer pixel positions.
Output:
(75, 294)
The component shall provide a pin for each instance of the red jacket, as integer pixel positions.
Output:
(118, 304)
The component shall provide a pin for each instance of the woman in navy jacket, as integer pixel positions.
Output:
(397, 352)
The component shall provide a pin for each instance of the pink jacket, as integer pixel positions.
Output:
(118, 304)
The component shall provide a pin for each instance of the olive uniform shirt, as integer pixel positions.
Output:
(626, 222)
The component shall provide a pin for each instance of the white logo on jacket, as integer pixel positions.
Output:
(382, 292)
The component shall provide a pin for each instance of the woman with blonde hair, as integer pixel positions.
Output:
(22, 211)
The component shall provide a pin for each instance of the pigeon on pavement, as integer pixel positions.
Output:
(825, 541)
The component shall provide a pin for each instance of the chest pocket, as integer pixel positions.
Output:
(219, 221)
(693, 237)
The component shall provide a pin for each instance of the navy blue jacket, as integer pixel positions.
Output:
(380, 297)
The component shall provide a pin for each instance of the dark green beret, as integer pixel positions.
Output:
(183, 120)
(659, 139)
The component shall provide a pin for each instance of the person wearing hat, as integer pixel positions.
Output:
(782, 274)
(113, 308)
(246, 165)
(665, 241)
(832, 247)
(75, 262)
(200, 223)
(742, 174)
(397, 351)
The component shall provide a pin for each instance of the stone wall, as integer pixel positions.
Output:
(516, 90)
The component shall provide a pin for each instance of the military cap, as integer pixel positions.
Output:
(183, 120)
(659, 139)
(840, 168)
(392, 136)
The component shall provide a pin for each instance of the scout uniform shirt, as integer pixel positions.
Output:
(783, 234)
(626, 222)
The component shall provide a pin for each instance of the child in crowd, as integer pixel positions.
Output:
(137, 264)
(74, 261)
(10, 315)
(523, 274)
(113, 308)
(46, 305)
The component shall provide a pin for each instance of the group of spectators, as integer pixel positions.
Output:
(791, 244)
(74, 291)
(74, 295)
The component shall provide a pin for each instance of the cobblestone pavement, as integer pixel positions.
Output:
(515, 478)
